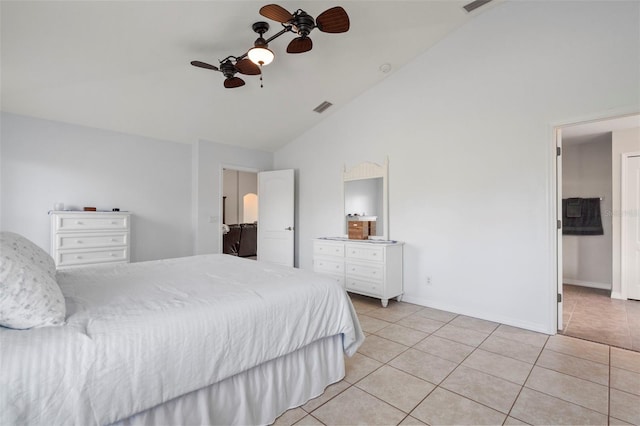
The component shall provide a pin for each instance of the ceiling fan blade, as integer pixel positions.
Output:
(204, 65)
(334, 20)
(232, 82)
(275, 12)
(247, 67)
(300, 45)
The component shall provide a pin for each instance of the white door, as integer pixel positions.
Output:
(275, 217)
(631, 226)
(559, 264)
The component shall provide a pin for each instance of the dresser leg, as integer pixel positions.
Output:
(385, 302)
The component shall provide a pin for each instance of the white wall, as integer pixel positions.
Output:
(586, 173)
(623, 141)
(44, 161)
(468, 130)
(209, 160)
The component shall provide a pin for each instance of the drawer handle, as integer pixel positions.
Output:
(78, 222)
(78, 257)
(337, 266)
(113, 240)
(375, 254)
(113, 255)
(79, 242)
(113, 222)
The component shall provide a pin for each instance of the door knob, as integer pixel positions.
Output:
(288, 228)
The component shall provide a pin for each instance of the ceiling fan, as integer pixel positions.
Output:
(333, 20)
(229, 69)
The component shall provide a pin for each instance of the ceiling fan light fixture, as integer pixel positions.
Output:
(260, 55)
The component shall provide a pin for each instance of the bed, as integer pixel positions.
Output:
(211, 339)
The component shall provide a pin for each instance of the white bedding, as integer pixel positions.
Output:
(138, 335)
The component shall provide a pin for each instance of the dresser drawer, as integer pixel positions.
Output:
(366, 271)
(79, 257)
(81, 241)
(328, 249)
(361, 286)
(365, 253)
(328, 266)
(86, 222)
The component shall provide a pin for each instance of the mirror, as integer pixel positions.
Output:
(365, 201)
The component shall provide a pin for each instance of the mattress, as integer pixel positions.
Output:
(139, 335)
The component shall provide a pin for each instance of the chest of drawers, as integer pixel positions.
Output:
(89, 238)
(371, 269)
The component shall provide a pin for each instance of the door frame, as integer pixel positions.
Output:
(559, 253)
(555, 207)
(624, 206)
(223, 167)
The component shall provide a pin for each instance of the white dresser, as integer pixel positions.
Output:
(89, 238)
(368, 268)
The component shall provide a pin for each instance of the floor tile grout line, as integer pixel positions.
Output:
(609, 390)
(438, 385)
(579, 357)
(527, 379)
(471, 353)
(566, 400)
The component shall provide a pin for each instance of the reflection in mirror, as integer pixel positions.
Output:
(366, 205)
(363, 200)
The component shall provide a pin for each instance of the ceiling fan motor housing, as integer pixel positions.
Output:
(303, 23)
(228, 69)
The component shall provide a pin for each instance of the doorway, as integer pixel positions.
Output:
(239, 212)
(589, 261)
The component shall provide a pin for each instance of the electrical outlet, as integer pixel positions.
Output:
(429, 280)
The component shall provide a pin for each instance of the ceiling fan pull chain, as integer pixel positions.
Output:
(261, 86)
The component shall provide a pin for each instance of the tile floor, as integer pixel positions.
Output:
(425, 366)
(591, 314)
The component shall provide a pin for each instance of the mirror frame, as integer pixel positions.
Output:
(369, 170)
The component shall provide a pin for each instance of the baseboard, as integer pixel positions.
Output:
(617, 295)
(540, 328)
(602, 286)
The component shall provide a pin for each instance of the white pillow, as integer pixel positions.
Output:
(26, 248)
(29, 294)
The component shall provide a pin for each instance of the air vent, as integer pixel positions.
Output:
(475, 4)
(322, 107)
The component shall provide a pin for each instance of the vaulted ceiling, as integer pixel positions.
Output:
(125, 65)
